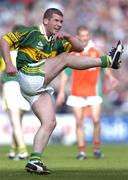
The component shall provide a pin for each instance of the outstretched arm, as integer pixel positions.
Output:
(75, 42)
(77, 46)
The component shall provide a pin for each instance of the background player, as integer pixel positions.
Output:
(15, 105)
(85, 91)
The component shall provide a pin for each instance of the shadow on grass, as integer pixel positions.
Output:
(67, 175)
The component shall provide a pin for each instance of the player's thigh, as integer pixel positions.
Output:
(53, 67)
(10, 98)
(79, 114)
(96, 112)
(44, 109)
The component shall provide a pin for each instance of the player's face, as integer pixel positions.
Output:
(84, 36)
(54, 24)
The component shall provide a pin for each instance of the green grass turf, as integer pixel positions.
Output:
(61, 160)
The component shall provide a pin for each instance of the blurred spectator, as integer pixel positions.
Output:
(15, 105)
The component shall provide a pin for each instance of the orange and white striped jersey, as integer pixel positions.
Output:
(84, 82)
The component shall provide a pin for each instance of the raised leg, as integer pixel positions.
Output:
(55, 65)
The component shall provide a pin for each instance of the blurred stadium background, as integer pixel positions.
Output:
(108, 22)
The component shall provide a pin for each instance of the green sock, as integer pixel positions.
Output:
(35, 156)
(105, 61)
(13, 149)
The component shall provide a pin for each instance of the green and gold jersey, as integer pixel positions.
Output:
(33, 45)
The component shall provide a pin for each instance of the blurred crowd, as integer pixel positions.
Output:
(106, 19)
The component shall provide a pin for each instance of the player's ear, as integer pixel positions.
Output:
(45, 21)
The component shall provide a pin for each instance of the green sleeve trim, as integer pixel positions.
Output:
(105, 61)
(68, 71)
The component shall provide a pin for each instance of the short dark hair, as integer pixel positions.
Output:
(49, 12)
(81, 28)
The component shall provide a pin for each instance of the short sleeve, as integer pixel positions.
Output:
(14, 38)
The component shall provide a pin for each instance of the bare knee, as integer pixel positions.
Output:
(16, 125)
(50, 125)
(96, 123)
(79, 124)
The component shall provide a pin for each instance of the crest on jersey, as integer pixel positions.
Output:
(40, 45)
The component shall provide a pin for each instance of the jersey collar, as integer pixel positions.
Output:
(42, 30)
(89, 45)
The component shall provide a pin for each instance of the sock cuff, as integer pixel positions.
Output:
(35, 154)
(22, 149)
(105, 61)
(81, 148)
(96, 142)
(13, 149)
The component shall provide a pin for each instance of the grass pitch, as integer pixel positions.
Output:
(61, 160)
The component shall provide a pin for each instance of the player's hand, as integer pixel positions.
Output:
(60, 99)
(62, 35)
(11, 70)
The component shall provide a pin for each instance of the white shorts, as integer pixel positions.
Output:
(32, 86)
(12, 97)
(77, 101)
